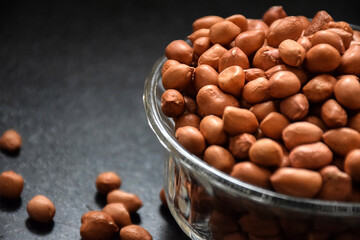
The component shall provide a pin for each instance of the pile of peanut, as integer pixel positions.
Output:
(272, 102)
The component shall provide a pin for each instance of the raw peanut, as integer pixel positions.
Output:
(163, 197)
(295, 107)
(237, 120)
(292, 52)
(250, 41)
(304, 42)
(273, 13)
(107, 181)
(310, 156)
(223, 32)
(266, 58)
(177, 77)
(233, 57)
(179, 50)
(342, 140)
(253, 73)
(235, 236)
(212, 128)
(206, 22)
(211, 100)
(205, 75)
(261, 110)
(191, 139)
(341, 24)
(97, 225)
(305, 22)
(231, 80)
(299, 133)
(330, 38)
(350, 60)
(352, 164)
(337, 185)
(296, 182)
(322, 58)
(201, 45)
(318, 22)
(333, 114)
(299, 72)
(283, 84)
(239, 145)
(266, 152)
(41, 209)
(282, 29)
(203, 32)
(219, 157)
(347, 91)
(167, 64)
(344, 35)
(119, 214)
(239, 20)
(10, 141)
(172, 103)
(257, 90)
(259, 226)
(317, 121)
(188, 119)
(273, 125)
(134, 232)
(251, 173)
(356, 36)
(320, 88)
(11, 184)
(190, 105)
(354, 122)
(130, 200)
(256, 24)
(212, 56)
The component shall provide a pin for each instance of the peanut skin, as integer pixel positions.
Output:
(251, 173)
(238, 120)
(311, 156)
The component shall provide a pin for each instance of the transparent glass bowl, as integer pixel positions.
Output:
(209, 204)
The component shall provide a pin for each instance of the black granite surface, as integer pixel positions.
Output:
(71, 83)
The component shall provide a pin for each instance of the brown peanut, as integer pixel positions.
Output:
(211, 100)
(250, 41)
(292, 52)
(41, 209)
(304, 42)
(261, 110)
(201, 45)
(177, 77)
(295, 107)
(256, 91)
(172, 103)
(283, 84)
(233, 57)
(223, 32)
(350, 60)
(205, 75)
(253, 73)
(167, 64)
(238, 120)
(231, 80)
(179, 50)
(206, 22)
(11, 184)
(212, 128)
(131, 202)
(333, 114)
(310, 156)
(316, 121)
(344, 35)
(239, 20)
(203, 32)
(107, 181)
(134, 232)
(10, 141)
(219, 157)
(273, 125)
(191, 139)
(299, 133)
(296, 182)
(299, 72)
(188, 119)
(273, 13)
(320, 19)
(347, 91)
(282, 29)
(212, 56)
(256, 24)
(119, 214)
(251, 173)
(322, 58)
(342, 140)
(352, 164)
(239, 145)
(266, 58)
(320, 88)
(266, 152)
(330, 38)
(97, 225)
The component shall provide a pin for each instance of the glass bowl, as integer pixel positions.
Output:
(209, 204)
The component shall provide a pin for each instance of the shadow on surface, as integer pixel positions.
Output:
(100, 199)
(39, 228)
(11, 153)
(10, 205)
(135, 218)
(173, 228)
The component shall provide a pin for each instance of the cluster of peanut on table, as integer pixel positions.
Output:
(272, 102)
(95, 225)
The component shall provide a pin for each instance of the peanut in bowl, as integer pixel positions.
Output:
(209, 203)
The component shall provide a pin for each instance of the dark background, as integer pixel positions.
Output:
(71, 83)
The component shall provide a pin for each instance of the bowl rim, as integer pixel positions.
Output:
(256, 194)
